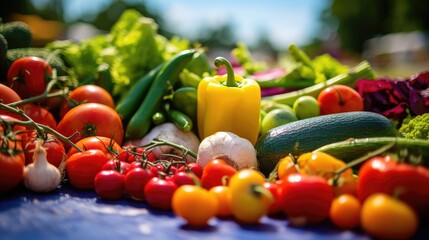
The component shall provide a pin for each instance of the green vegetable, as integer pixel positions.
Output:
(140, 123)
(185, 100)
(416, 127)
(159, 118)
(131, 101)
(362, 70)
(244, 58)
(17, 34)
(3, 48)
(312, 133)
(304, 72)
(352, 149)
(181, 120)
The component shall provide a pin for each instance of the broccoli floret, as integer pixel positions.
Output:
(416, 127)
(17, 34)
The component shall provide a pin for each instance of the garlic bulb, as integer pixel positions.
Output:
(40, 175)
(236, 151)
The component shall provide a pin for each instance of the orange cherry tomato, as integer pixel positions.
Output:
(194, 204)
(223, 196)
(286, 166)
(345, 211)
(385, 217)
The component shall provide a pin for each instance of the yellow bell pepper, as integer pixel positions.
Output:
(228, 103)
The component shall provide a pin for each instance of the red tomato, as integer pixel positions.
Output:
(11, 169)
(215, 172)
(382, 174)
(20, 132)
(55, 152)
(131, 153)
(274, 187)
(195, 168)
(29, 76)
(184, 178)
(135, 182)
(105, 144)
(306, 199)
(86, 94)
(159, 193)
(39, 115)
(92, 119)
(109, 184)
(339, 98)
(117, 165)
(8, 95)
(83, 166)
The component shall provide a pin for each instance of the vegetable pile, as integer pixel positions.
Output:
(133, 115)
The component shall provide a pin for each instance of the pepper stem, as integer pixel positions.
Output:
(221, 61)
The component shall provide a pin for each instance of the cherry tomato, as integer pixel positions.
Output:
(105, 144)
(223, 196)
(382, 174)
(195, 168)
(159, 192)
(55, 152)
(83, 166)
(109, 184)
(119, 166)
(8, 95)
(215, 172)
(20, 133)
(194, 204)
(338, 99)
(286, 166)
(274, 188)
(250, 200)
(306, 199)
(345, 211)
(29, 76)
(40, 115)
(131, 153)
(184, 178)
(321, 164)
(88, 93)
(135, 182)
(385, 217)
(92, 119)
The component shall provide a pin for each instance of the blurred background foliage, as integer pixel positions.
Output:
(388, 33)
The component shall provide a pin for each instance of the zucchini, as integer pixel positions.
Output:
(315, 132)
(352, 149)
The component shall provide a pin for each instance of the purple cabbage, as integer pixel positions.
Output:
(396, 98)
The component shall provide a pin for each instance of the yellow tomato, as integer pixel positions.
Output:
(223, 196)
(385, 217)
(321, 164)
(194, 204)
(345, 211)
(250, 200)
(286, 166)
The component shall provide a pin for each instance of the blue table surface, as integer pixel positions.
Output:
(68, 213)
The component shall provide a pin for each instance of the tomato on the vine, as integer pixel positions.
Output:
(105, 144)
(92, 119)
(117, 165)
(29, 76)
(194, 204)
(39, 115)
(135, 182)
(8, 95)
(83, 166)
(55, 152)
(109, 184)
(159, 192)
(195, 168)
(184, 178)
(88, 93)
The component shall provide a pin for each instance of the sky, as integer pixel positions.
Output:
(284, 21)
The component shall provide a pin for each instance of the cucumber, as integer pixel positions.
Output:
(315, 132)
(352, 149)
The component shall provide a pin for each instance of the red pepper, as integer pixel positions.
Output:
(406, 181)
